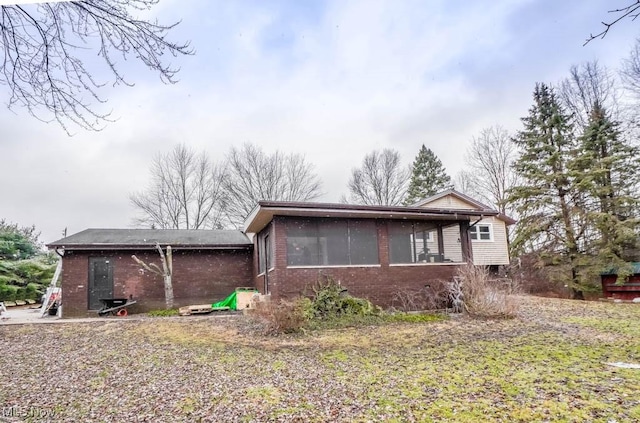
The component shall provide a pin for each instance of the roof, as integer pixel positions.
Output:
(634, 268)
(91, 239)
(264, 212)
(473, 202)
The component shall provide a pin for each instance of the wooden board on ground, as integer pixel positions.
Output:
(195, 309)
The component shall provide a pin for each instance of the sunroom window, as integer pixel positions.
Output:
(325, 242)
(424, 242)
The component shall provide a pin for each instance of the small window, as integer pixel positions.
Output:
(481, 232)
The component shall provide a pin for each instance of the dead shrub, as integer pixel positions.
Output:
(284, 316)
(434, 296)
(482, 296)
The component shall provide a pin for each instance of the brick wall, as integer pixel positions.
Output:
(199, 277)
(378, 284)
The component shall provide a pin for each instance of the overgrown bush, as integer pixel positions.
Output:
(25, 279)
(331, 300)
(482, 297)
(283, 316)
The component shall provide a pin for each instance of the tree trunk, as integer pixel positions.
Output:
(168, 291)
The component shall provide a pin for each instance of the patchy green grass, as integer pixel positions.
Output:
(548, 364)
(164, 312)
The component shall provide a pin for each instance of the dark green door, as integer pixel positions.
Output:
(100, 281)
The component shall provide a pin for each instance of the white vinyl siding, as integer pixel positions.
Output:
(481, 232)
(450, 202)
(495, 252)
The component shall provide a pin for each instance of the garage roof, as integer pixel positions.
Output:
(91, 239)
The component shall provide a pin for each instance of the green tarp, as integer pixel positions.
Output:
(230, 302)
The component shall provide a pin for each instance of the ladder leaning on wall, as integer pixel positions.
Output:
(53, 291)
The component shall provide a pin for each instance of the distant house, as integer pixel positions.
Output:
(627, 291)
(97, 264)
(488, 233)
(374, 251)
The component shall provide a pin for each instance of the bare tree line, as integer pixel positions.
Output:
(190, 191)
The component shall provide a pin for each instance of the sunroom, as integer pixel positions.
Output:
(372, 250)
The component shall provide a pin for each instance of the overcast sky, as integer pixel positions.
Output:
(333, 80)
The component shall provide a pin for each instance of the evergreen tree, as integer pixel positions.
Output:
(428, 177)
(549, 206)
(605, 170)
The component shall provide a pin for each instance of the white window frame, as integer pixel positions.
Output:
(475, 229)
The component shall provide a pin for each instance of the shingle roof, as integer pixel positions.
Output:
(148, 238)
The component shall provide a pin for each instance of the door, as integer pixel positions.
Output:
(100, 281)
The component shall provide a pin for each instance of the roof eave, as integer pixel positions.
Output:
(149, 246)
(265, 212)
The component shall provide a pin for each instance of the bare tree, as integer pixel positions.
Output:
(464, 182)
(630, 11)
(587, 85)
(254, 175)
(186, 192)
(489, 159)
(382, 179)
(166, 271)
(44, 65)
(630, 71)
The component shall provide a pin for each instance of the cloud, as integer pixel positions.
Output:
(333, 80)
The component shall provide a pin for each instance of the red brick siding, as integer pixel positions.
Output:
(199, 277)
(378, 283)
(627, 291)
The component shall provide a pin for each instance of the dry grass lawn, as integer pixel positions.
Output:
(546, 365)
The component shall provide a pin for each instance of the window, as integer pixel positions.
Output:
(481, 232)
(265, 257)
(413, 243)
(324, 242)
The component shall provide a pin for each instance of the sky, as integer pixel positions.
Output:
(333, 80)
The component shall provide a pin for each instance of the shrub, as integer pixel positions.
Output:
(331, 300)
(8, 292)
(481, 296)
(283, 316)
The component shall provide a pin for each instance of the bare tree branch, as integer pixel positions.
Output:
(630, 11)
(254, 175)
(186, 192)
(166, 272)
(382, 180)
(489, 159)
(43, 47)
(587, 85)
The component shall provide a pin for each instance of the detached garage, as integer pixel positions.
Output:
(97, 264)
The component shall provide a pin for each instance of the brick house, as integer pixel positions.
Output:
(285, 247)
(372, 250)
(97, 263)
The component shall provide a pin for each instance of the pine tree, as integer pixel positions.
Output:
(606, 172)
(428, 177)
(546, 199)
